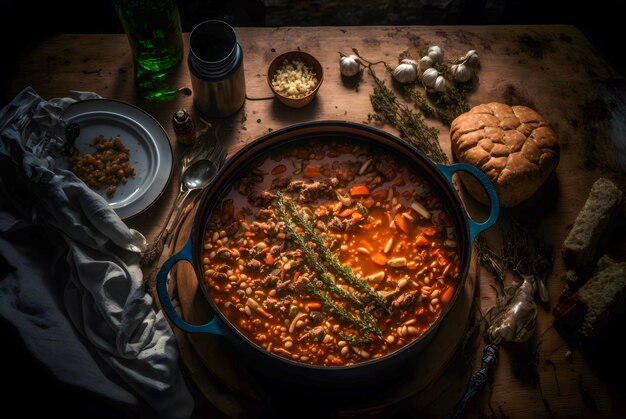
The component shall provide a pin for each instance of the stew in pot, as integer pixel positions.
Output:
(330, 254)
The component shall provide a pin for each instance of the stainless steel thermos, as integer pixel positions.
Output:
(216, 68)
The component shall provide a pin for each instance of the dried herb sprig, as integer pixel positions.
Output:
(365, 323)
(491, 260)
(411, 125)
(309, 254)
(365, 327)
(411, 92)
(334, 265)
(526, 254)
(449, 105)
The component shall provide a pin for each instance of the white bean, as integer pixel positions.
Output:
(388, 245)
(397, 262)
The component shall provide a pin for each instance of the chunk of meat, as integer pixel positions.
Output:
(389, 293)
(260, 198)
(273, 304)
(403, 301)
(344, 171)
(225, 253)
(310, 191)
(341, 224)
(275, 250)
(270, 281)
(316, 317)
(284, 286)
(294, 254)
(280, 182)
(254, 265)
(264, 214)
(315, 334)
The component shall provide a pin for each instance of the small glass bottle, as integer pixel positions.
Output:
(184, 127)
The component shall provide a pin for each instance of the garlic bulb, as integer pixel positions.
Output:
(430, 77)
(406, 72)
(435, 53)
(471, 59)
(349, 65)
(425, 62)
(435, 48)
(462, 73)
(440, 84)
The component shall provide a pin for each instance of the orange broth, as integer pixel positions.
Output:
(330, 254)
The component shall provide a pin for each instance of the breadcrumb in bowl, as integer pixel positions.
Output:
(295, 77)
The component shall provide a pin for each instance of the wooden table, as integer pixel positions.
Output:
(553, 69)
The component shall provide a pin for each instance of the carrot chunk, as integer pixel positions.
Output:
(421, 241)
(402, 223)
(447, 295)
(346, 213)
(359, 190)
(311, 171)
(379, 259)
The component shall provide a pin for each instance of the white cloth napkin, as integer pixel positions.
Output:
(70, 281)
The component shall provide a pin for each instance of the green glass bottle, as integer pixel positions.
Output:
(154, 32)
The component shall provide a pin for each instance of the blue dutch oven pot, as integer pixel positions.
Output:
(364, 373)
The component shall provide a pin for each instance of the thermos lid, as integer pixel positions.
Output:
(213, 49)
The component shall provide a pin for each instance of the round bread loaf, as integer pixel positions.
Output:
(512, 145)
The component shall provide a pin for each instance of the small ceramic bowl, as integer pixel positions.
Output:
(311, 62)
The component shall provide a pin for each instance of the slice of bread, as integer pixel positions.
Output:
(583, 243)
(602, 294)
(586, 311)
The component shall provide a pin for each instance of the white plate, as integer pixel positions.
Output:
(145, 138)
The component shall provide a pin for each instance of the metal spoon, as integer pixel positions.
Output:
(198, 175)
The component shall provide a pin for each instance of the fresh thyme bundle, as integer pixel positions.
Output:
(361, 319)
(333, 263)
(411, 125)
(445, 106)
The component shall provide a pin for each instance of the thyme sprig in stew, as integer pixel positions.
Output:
(330, 254)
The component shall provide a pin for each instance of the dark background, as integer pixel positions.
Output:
(601, 21)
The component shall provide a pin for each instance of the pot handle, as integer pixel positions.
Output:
(475, 228)
(213, 327)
